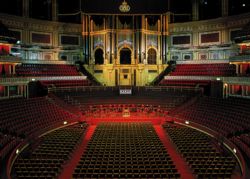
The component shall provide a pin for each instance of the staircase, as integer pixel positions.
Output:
(90, 77)
(166, 71)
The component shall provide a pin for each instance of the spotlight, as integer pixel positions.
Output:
(17, 151)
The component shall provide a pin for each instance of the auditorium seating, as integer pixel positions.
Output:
(229, 117)
(46, 70)
(125, 150)
(48, 158)
(81, 97)
(202, 156)
(22, 117)
(226, 116)
(218, 69)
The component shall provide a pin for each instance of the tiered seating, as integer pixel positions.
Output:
(125, 150)
(215, 69)
(81, 97)
(218, 69)
(201, 155)
(21, 117)
(52, 70)
(46, 70)
(226, 116)
(47, 159)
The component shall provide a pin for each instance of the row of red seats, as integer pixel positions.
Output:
(46, 160)
(220, 69)
(46, 70)
(200, 153)
(22, 117)
(226, 116)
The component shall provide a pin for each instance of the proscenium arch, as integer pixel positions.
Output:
(125, 55)
(152, 56)
(99, 57)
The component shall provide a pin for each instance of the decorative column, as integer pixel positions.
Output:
(26, 8)
(113, 40)
(195, 10)
(54, 10)
(224, 8)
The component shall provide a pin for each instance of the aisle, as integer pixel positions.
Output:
(69, 168)
(179, 162)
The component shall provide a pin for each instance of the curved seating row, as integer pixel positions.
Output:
(203, 158)
(47, 158)
(125, 150)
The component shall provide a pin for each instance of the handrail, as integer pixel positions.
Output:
(116, 88)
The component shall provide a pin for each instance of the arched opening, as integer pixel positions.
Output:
(152, 56)
(125, 56)
(99, 60)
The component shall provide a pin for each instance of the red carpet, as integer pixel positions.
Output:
(179, 162)
(69, 168)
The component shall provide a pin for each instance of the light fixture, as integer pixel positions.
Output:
(33, 79)
(218, 79)
(187, 122)
(234, 150)
(65, 122)
(124, 7)
(17, 151)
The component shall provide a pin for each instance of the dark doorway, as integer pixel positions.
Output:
(151, 56)
(99, 60)
(125, 56)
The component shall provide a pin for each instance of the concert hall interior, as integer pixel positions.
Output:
(125, 89)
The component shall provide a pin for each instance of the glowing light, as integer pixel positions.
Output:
(218, 79)
(65, 122)
(17, 151)
(187, 122)
(33, 79)
(243, 5)
(124, 7)
(234, 150)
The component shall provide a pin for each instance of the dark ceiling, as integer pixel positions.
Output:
(70, 10)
